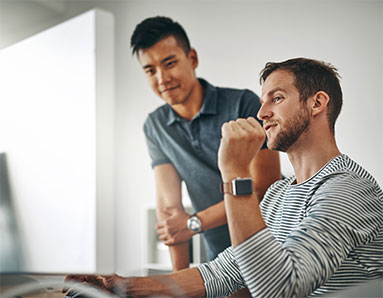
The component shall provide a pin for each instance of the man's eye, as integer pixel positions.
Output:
(149, 71)
(170, 63)
(277, 98)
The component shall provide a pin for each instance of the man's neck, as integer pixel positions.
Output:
(191, 107)
(310, 157)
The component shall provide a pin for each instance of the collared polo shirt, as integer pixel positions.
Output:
(191, 146)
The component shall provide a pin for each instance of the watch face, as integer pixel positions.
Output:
(242, 187)
(194, 224)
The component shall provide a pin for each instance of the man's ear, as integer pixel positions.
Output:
(193, 57)
(319, 102)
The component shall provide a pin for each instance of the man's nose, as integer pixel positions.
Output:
(264, 112)
(163, 77)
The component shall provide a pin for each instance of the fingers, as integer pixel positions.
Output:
(253, 122)
(171, 238)
(241, 141)
(165, 237)
(240, 124)
(169, 242)
(162, 232)
(250, 124)
(160, 226)
(173, 229)
(244, 129)
(73, 278)
(95, 280)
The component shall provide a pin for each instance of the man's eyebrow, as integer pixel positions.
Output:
(147, 66)
(170, 57)
(271, 92)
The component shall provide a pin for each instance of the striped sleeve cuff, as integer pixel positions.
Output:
(221, 276)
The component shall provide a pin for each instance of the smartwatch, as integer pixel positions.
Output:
(194, 224)
(238, 187)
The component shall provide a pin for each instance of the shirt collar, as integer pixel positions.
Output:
(209, 106)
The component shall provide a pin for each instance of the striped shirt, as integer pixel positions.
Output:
(322, 235)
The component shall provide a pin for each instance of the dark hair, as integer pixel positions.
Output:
(312, 76)
(151, 30)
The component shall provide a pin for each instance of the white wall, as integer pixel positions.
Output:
(234, 40)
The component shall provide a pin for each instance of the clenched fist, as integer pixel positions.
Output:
(241, 141)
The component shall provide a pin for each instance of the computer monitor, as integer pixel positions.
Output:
(10, 248)
(56, 130)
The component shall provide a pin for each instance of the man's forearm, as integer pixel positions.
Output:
(240, 143)
(179, 255)
(213, 217)
(244, 217)
(185, 283)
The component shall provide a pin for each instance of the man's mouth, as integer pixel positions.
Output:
(169, 89)
(267, 126)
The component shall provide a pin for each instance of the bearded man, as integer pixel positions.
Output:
(316, 232)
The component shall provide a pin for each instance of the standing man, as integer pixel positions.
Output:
(183, 137)
(317, 232)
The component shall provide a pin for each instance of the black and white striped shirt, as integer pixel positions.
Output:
(322, 235)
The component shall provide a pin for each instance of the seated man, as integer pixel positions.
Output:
(316, 232)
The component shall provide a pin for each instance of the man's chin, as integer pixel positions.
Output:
(172, 101)
(274, 146)
(271, 147)
(270, 144)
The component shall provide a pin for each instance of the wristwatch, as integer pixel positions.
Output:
(194, 224)
(238, 187)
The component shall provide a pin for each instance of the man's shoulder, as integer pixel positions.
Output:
(157, 119)
(344, 168)
(158, 114)
(344, 180)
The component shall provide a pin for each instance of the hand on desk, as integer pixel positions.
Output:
(173, 230)
(112, 284)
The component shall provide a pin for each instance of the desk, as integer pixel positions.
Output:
(17, 281)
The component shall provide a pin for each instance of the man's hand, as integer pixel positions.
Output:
(241, 141)
(112, 284)
(92, 280)
(173, 230)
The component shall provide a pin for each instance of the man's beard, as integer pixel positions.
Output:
(291, 131)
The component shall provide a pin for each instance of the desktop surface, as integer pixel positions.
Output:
(16, 282)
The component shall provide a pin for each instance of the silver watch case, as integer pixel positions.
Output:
(194, 224)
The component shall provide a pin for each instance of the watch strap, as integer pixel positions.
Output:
(226, 187)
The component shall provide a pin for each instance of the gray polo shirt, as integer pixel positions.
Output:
(192, 148)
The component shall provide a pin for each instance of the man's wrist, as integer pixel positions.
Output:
(229, 176)
(238, 187)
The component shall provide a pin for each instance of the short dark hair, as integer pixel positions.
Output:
(151, 30)
(312, 76)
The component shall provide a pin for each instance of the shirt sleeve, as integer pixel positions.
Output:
(157, 155)
(344, 212)
(221, 276)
